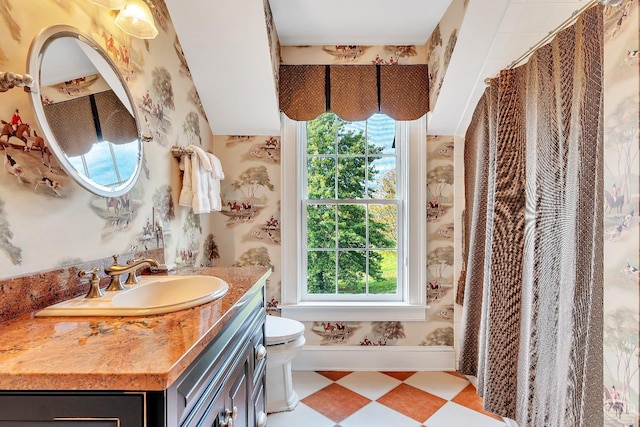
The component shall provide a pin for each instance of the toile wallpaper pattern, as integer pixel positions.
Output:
(41, 226)
(440, 45)
(621, 390)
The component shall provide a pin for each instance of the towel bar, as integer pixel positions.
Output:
(180, 151)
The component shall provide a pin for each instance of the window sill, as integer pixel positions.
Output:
(310, 311)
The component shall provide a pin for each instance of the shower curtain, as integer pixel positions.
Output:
(532, 316)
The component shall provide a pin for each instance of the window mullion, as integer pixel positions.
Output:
(353, 147)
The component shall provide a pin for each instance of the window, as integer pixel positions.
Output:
(351, 205)
(353, 219)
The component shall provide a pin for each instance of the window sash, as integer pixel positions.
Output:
(400, 152)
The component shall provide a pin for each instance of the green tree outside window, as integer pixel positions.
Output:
(351, 206)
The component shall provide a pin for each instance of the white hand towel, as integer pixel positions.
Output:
(214, 183)
(186, 193)
(205, 163)
(216, 167)
(198, 182)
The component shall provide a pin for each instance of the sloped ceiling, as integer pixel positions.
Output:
(493, 35)
(226, 45)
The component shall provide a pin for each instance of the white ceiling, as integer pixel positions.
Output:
(356, 22)
(225, 43)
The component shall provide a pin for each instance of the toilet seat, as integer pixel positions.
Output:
(280, 330)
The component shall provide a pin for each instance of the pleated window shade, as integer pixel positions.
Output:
(116, 122)
(354, 92)
(73, 122)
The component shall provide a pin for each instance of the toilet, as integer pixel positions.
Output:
(284, 338)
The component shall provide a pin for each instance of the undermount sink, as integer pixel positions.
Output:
(153, 295)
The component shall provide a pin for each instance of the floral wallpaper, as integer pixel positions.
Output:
(621, 389)
(46, 219)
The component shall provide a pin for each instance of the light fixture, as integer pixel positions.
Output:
(136, 20)
(110, 4)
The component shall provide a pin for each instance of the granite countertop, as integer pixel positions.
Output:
(117, 353)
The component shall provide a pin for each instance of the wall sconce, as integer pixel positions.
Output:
(136, 20)
(135, 17)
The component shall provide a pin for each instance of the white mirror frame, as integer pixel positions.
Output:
(34, 64)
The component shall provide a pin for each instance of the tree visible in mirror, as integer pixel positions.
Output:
(351, 178)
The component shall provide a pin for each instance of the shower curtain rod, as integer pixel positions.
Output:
(552, 33)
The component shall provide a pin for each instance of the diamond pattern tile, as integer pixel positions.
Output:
(454, 415)
(371, 385)
(301, 416)
(412, 402)
(470, 399)
(375, 414)
(336, 402)
(439, 383)
(308, 382)
(399, 399)
(334, 375)
(400, 375)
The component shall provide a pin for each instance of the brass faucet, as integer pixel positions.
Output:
(116, 270)
(94, 288)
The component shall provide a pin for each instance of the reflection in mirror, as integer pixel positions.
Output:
(86, 111)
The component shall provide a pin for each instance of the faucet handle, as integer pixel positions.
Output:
(113, 271)
(94, 289)
(132, 279)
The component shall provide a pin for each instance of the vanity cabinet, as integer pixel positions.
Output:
(224, 386)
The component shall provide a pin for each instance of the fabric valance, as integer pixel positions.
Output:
(354, 92)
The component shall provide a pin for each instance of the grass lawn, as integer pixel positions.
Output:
(389, 282)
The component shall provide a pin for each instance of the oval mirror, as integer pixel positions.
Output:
(85, 111)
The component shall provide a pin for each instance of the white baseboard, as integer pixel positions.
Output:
(371, 358)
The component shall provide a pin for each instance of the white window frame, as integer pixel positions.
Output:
(411, 306)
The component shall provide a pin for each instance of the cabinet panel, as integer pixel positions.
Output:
(259, 412)
(259, 349)
(238, 394)
(219, 386)
(72, 409)
(82, 422)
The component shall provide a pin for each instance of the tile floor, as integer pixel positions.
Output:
(372, 399)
